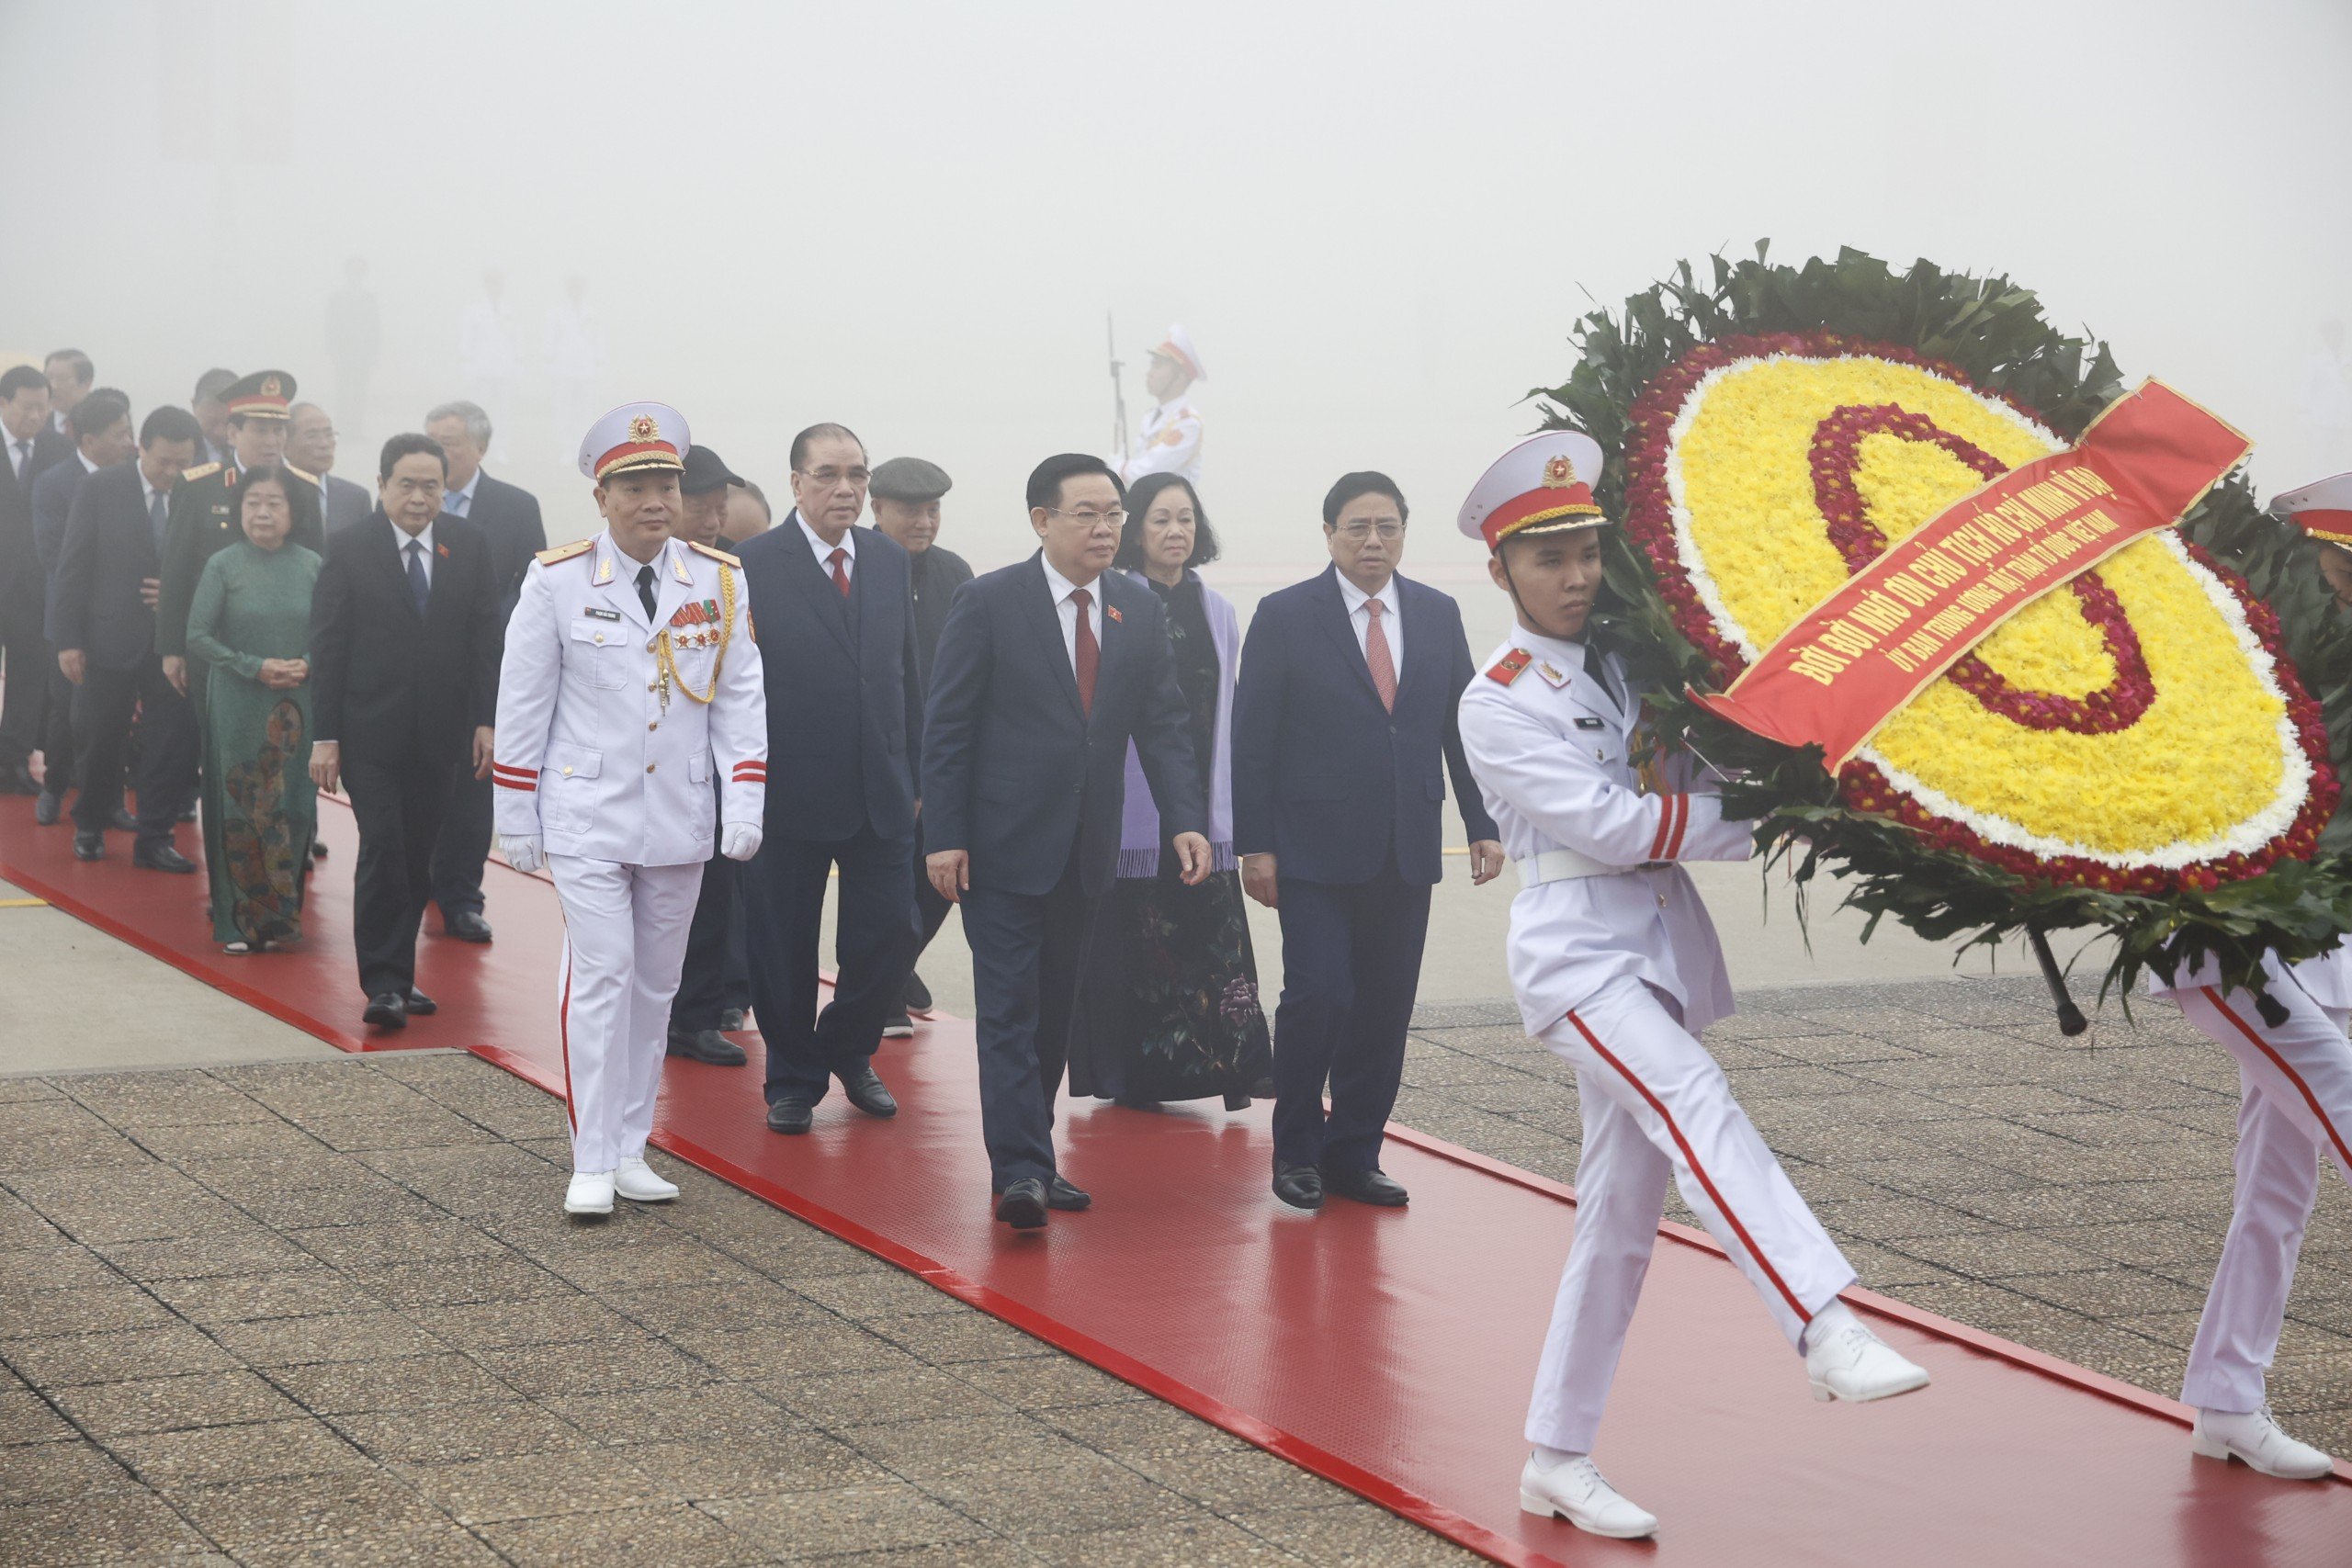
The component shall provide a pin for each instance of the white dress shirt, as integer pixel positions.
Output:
(456, 502)
(1391, 623)
(1066, 610)
(825, 551)
(87, 465)
(401, 539)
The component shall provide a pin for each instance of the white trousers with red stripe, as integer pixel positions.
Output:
(624, 943)
(1655, 1105)
(2294, 1111)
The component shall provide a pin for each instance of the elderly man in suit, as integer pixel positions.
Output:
(1044, 672)
(508, 517)
(1343, 730)
(311, 447)
(833, 607)
(100, 428)
(24, 414)
(404, 647)
(102, 618)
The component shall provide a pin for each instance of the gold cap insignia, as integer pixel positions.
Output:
(644, 427)
(270, 387)
(1559, 473)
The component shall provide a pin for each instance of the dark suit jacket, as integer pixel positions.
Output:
(344, 502)
(53, 494)
(1326, 779)
(21, 577)
(109, 547)
(845, 704)
(1013, 770)
(392, 687)
(508, 516)
(937, 574)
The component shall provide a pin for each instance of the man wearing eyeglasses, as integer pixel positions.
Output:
(834, 610)
(1044, 672)
(1344, 729)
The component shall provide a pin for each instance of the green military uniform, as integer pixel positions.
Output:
(205, 520)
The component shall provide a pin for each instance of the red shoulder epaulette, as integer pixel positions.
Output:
(1510, 666)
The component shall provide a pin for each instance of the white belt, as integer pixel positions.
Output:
(1568, 865)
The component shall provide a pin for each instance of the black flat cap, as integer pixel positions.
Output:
(909, 479)
(706, 472)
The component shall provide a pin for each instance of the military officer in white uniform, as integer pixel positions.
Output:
(1169, 442)
(630, 680)
(1616, 968)
(2294, 1118)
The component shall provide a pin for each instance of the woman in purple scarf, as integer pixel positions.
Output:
(1168, 1006)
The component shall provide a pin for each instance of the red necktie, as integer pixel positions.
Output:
(1089, 652)
(841, 572)
(1375, 654)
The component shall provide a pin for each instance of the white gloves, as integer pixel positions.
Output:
(524, 852)
(740, 841)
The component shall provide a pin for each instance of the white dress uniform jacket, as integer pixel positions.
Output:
(1555, 760)
(597, 751)
(1170, 443)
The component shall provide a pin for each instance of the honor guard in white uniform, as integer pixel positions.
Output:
(2294, 1118)
(1169, 442)
(1616, 967)
(630, 682)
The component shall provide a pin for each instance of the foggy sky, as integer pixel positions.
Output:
(1378, 221)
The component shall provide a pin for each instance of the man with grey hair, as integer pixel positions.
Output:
(210, 403)
(509, 515)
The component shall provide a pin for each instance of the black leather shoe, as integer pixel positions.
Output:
(387, 1011)
(1374, 1187)
(1062, 1195)
(788, 1116)
(163, 857)
(48, 809)
(1300, 1186)
(420, 1005)
(868, 1093)
(1023, 1204)
(916, 998)
(706, 1045)
(123, 821)
(465, 926)
(733, 1018)
(899, 1026)
(89, 846)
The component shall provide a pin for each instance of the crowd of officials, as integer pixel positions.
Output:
(206, 621)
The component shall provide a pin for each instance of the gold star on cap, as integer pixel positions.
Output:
(1559, 473)
(644, 427)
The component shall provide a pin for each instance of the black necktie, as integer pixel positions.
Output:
(420, 587)
(158, 518)
(24, 456)
(1598, 668)
(645, 591)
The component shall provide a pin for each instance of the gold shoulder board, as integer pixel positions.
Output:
(206, 471)
(716, 554)
(298, 474)
(565, 552)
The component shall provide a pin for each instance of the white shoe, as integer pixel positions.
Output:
(1575, 1490)
(1845, 1361)
(2257, 1441)
(640, 1183)
(590, 1192)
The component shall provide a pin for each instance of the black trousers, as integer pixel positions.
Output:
(57, 743)
(784, 907)
(463, 846)
(1028, 950)
(399, 805)
(1351, 965)
(930, 912)
(169, 748)
(25, 659)
(712, 943)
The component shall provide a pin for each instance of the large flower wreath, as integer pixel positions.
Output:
(2135, 753)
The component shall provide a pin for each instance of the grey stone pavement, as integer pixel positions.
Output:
(327, 1311)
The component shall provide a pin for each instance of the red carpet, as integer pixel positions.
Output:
(1389, 1351)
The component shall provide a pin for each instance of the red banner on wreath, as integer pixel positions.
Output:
(1850, 663)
